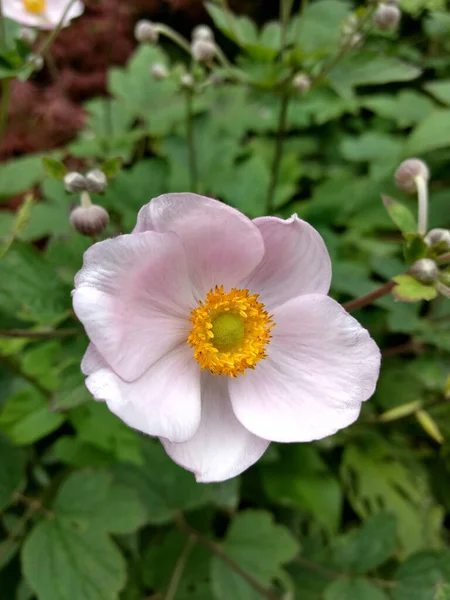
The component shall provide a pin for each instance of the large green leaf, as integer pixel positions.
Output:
(12, 472)
(20, 175)
(354, 589)
(419, 577)
(63, 562)
(431, 134)
(258, 546)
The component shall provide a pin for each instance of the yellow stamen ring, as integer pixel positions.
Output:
(230, 331)
(36, 7)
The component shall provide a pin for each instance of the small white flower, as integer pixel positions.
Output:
(43, 14)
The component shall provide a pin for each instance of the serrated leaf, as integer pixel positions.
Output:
(401, 216)
(368, 547)
(12, 472)
(54, 168)
(354, 589)
(257, 545)
(429, 425)
(62, 562)
(112, 167)
(409, 289)
(163, 486)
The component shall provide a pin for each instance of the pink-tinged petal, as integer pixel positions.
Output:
(134, 297)
(92, 361)
(296, 261)
(222, 245)
(222, 448)
(321, 366)
(57, 8)
(49, 19)
(164, 401)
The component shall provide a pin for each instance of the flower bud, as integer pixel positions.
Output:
(27, 35)
(301, 83)
(159, 71)
(96, 181)
(204, 33)
(387, 17)
(36, 61)
(408, 171)
(91, 220)
(203, 51)
(439, 237)
(74, 182)
(187, 81)
(145, 32)
(425, 270)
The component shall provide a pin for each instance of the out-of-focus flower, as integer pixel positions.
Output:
(425, 270)
(187, 81)
(145, 32)
(215, 333)
(75, 182)
(43, 14)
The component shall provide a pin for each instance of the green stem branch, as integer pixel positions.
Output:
(169, 33)
(370, 297)
(179, 569)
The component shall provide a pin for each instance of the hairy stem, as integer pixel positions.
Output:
(274, 174)
(217, 550)
(370, 297)
(192, 154)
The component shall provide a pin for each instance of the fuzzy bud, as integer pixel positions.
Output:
(387, 17)
(204, 33)
(36, 61)
(425, 270)
(91, 220)
(159, 71)
(96, 181)
(203, 51)
(439, 237)
(407, 172)
(301, 83)
(27, 35)
(187, 81)
(145, 32)
(75, 183)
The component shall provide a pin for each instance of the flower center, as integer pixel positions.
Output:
(35, 6)
(230, 331)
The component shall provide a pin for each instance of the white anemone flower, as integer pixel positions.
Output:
(42, 14)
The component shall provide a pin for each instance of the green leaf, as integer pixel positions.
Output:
(318, 30)
(20, 223)
(368, 547)
(12, 472)
(54, 168)
(429, 425)
(432, 133)
(409, 289)
(60, 561)
(71, 391)
(354, 589)
(92, 500)
(401, 216)
(163, 486)
(302, 479)
(421, 575)
(258, 546)
(406, 108)
(26, 418)
(20, 175)
(440, 90)
(415, 248)
(112, 167)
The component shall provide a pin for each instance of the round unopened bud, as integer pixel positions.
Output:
(36, 61)
(439, 237)
(27, 35)
(425, 270)
(96, 181)
(91, 220)
(203, 32)
(407, 172)
(187, 81)
(159, 71)
(203, 51)
(301, 83)
(74, 182)
(145, 32)
(387, 17)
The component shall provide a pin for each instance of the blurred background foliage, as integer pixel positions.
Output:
(91, 510)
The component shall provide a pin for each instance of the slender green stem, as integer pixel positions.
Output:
(179, 569)
(370, 297)
(6, 92)
(169, 33)
(47, 44)
(85, 200)
(192, 154)
(274, 174)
